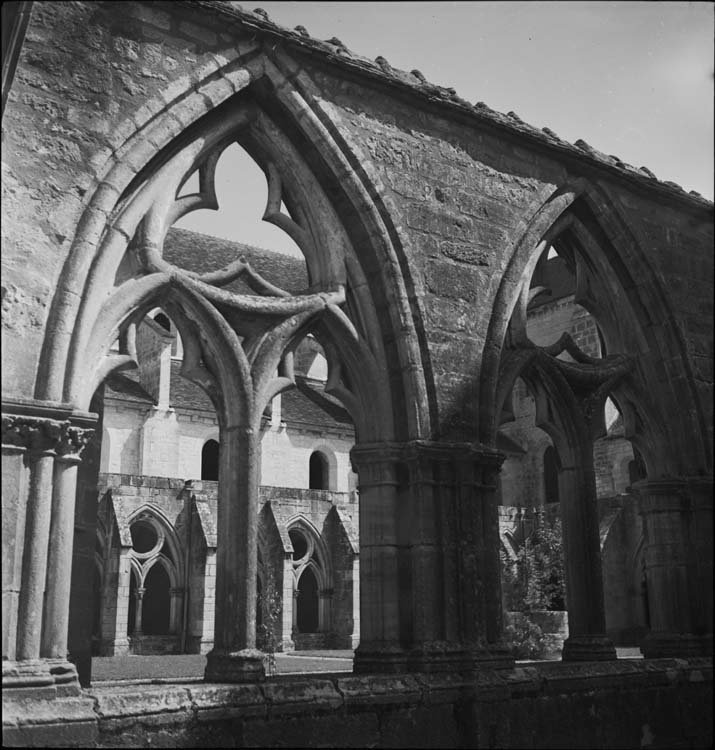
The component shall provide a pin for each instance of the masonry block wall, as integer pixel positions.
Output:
(445, 198)
(285, 457)
(175, 502)
(458, 194)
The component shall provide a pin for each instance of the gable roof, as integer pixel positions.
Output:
(125, 386)
(414, 84)
(200, 253)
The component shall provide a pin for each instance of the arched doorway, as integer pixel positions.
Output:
(551, 475)
(318, 471)
(209, 461)
(156, 609)
(307, 617)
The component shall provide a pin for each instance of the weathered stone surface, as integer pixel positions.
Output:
(430, 211)
(301, 695)
(591, 705)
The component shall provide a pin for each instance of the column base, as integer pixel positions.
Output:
(660, 644)
(588, 648)
(287, 644)
(237, 666)
(114, 647)
(496, 656)
(431, 658)
(376, 658)
(44, 678)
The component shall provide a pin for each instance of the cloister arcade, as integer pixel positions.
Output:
(420, 306)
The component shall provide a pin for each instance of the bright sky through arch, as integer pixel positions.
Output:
(632, 79)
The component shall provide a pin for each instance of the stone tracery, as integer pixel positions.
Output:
(389, 325)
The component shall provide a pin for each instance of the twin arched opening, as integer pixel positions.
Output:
(237, 345)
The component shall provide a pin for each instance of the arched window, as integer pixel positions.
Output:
(163, 321)
(156, 604)
(636, 468)
(96, 606)
(318, 479)
(209, 461)
(132, 613)
(551, 475)
(307, 618)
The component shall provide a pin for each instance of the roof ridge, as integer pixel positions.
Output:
(335, 51)
(245, 245)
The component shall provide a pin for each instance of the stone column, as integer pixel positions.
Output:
(587, 639)
(14, 505)
(355, 635)
(381, 635)
(59, 562)
(138, 611)
(294, 611)
(34, 563)
(234, 657)
(665, 508)
(453, 543)
(481, 625)
(115, 603)
(324, 609)
(40, 657)
(288, 609)
(700, 492)
(176, 601)
(56, 614)
(209, 618)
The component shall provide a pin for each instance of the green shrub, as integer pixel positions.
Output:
(525, 640)
(270, 605)
(536, 579)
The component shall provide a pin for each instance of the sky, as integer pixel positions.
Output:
(632, 79)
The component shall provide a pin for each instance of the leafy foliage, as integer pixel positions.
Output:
(270, 606)
(525, 639)
(536, 579)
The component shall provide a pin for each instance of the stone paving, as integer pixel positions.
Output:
(176, 667)
(190, 667)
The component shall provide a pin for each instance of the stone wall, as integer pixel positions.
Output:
(168, 443)
(458, 195)
(286, 451)
(333, 517)
(663, 703)
(433, 206)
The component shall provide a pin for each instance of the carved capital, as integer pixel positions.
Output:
(35, 434)
(376, 462)
(46, 427)
(73, 440)
(426, 461)
(449, 462)
(40, 435)
(661, 495)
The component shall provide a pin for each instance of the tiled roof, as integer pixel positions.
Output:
(126, 386)
(184, 394)
(201, 253)
(559, 280)
(414, 83)
(307, 405)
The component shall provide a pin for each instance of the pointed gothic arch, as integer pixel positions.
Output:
(114, 210)
(629, 302)
(115, 274)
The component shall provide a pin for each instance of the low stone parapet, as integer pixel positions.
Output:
(656, 703)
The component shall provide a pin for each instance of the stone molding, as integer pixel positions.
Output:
(381, 710)
(47, 428)
(413, 85)
(661, 495)
(378, 461)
